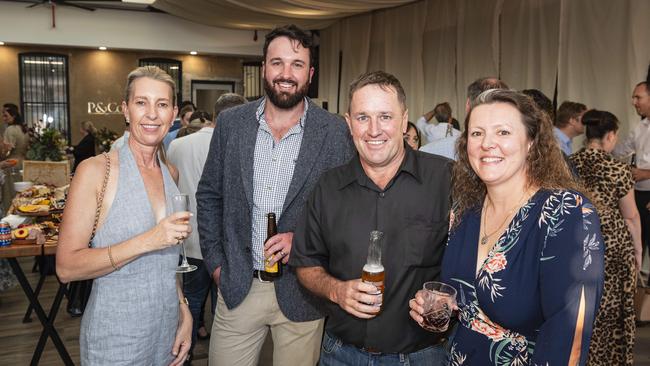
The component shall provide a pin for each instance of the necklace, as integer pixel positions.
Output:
(485, 236)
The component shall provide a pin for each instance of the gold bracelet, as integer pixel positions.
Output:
(110, 257)
(184, 301)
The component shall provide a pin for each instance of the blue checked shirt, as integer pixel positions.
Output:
(272, 172)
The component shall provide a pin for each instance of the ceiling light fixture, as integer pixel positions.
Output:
(193, 53)
(102, 48)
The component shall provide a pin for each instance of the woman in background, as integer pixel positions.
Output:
(612, 187)
(412, 136)
(86, 147)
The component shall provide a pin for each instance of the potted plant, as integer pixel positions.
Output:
(46, 159)
(104, 139)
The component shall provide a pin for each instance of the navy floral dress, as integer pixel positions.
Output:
(536, 294)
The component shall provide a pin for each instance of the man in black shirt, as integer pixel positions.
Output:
(390, 188)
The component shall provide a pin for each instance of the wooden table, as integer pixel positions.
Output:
(11, 253)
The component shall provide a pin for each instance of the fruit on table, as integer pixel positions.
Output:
(21, 233)
(34, 208)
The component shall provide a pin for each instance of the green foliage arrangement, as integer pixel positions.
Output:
(46, 145)
(104, 139)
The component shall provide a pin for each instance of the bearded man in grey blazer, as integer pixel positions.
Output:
(266, 156)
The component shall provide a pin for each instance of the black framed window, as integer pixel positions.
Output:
(173, 67)
(253, 87)
(44, 90)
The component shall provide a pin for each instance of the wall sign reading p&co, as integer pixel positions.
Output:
(104, 108)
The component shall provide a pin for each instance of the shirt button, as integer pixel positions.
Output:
(274, 159)
(382, 194)
(269, 188)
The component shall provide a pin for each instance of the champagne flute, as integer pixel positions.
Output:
(181, 203)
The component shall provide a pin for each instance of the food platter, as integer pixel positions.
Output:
(39, 213)
(23, 241)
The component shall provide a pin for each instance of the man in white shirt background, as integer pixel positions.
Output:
(638, 143)
(188, 154)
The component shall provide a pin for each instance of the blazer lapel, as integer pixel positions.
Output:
(310, 147)
(246, 141)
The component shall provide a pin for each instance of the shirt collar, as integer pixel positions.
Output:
(354, 172)
(260, 111)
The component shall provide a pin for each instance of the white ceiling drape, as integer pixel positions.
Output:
(267, 14)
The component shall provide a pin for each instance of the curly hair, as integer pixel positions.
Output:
(545, 165)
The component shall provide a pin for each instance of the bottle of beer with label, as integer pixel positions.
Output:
(274, 270)
(373, 270)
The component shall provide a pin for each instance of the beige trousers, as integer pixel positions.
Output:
(238, 334)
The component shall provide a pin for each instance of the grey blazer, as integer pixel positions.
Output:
(225, 200)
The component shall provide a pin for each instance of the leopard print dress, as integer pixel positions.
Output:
(612, 341)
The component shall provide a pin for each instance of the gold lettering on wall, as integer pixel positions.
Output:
(104, 108)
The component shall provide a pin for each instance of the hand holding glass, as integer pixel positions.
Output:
(439, 302)
(180, 203)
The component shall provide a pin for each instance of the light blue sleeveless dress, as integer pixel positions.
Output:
(132, 314)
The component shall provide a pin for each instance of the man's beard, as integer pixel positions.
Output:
(285, 100)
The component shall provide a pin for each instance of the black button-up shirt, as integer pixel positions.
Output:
(413, 213)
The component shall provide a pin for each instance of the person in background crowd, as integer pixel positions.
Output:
(443, 126)
(479, 86)
(542, 101)
(568, 124)
(383, 188)
(188, 155)
(137, 313)
(611, 184)
(638, 143)
(184, 120)
(545, 105)
(446, 146)
(412, 136)
(525, 252)
(15, 135)
(198, 120)
(86, 147)
(265, 157)
(13, 148)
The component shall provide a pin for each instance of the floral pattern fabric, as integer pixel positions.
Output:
(543, 277)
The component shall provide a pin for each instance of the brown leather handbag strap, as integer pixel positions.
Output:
(100, 199)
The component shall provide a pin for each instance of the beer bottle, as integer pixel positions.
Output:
(274, 270)
(373, 270)
(633, 161)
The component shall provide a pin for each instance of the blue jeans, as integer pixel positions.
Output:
(196, 285)
(336, 353)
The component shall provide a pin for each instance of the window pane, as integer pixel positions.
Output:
(173, 67)
(44, 90)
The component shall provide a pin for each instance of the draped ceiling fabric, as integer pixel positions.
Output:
(597, 49)
(267, 14)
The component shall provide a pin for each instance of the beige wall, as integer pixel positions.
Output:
(99, 76)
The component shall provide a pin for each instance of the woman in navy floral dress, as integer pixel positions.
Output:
(525, 252)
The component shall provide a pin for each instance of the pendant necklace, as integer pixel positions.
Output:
(485, 236)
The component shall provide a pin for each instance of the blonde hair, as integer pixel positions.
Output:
(89, 127)
(155, 73)
(152, 72)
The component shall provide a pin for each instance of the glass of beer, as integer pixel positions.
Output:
(439, 302)
(373, 270)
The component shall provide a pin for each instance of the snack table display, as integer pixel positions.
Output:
(37, 236)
